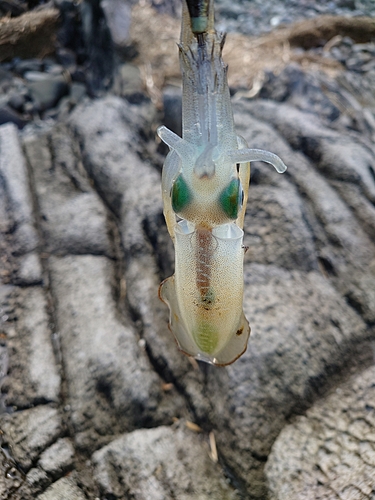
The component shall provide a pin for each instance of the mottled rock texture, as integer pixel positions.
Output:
(330, 452)
(165, 462)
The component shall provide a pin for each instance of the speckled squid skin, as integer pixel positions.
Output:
(205, 184)
(205, 293)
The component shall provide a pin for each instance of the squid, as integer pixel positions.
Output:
(205, 182)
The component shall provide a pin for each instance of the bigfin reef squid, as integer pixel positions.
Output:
(205, 184)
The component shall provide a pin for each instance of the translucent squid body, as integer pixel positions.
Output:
(205, 184)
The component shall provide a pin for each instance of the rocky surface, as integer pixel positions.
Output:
(165, 462)
(258, 17)
(96, 400)
(329, 452)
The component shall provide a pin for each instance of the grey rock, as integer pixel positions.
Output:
(73, 218)
(33, 376)
(53, 69)
(99, 47)
(108, 160)
(129, 83)
(11, 481)
(304, 90)
(4, 364)
(36, 481)
(5, 76)
(118, 17)
(65, 488)
(77, 92)
(276, 214)
(257, 17)
(29, 432)
(303, 329)
(349, 4)
(9, 115)
(24, 65)
(5, 314)
(29, 271)
(58, 458)
(45, 89)
(292, 350)
(172, 105)
(160, 463)
(337, 159)
(15, 179)
(111, 385)
(16, 100)
(170, 7)
(67, 58)
(330, 452)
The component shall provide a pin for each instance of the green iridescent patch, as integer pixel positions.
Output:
(181, 195)
(229, 199)
(206, 337)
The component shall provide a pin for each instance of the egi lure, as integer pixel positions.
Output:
(205, 185)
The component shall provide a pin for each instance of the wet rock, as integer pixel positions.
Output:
(29, 432)
(64, 488)
(355, 64)
(329, 452)
(166, 462)
(33, 376)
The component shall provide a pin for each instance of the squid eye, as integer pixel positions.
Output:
(231, 198)
(180, 194)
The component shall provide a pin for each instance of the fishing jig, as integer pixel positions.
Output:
(205, 183)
